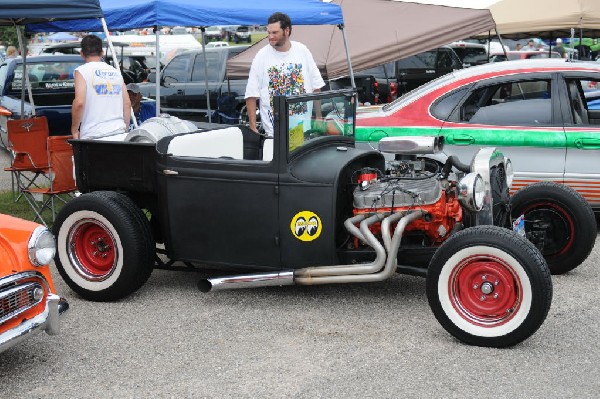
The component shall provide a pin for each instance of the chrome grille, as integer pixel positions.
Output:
(17, 299)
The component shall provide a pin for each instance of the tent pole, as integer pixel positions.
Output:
(489, 46)
(341, 26)
(25, 79)
(158, 71)
(501, 43)
(117, 66)
(202, 29)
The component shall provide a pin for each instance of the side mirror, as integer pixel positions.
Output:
(152, 77)
(168, 80)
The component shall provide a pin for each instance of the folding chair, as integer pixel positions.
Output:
(60, 154)
(27, 141)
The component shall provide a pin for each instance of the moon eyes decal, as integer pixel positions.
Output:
(306, 226)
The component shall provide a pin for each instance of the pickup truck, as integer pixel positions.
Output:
(52, 86)
(183, 83)
(304, 207)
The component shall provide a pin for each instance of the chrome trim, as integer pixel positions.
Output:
(247, 281)
(47, 321)
(485, 159)
(416, 145)
(33, 243)
(467, 193)
(26, 288)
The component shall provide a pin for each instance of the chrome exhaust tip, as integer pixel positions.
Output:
(246, 281)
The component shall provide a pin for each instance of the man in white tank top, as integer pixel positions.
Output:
(101, 106)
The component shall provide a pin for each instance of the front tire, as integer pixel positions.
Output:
(488, 286)
(559, 221)
(105, 249)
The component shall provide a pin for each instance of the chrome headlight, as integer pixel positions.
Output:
(471, 191)
(510, 172)
(41, 246)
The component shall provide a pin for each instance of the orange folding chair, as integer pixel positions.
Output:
(27, 141)
(60, 154)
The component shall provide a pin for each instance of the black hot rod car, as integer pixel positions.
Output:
(305, 207)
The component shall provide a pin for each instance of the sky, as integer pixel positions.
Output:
(458, 3)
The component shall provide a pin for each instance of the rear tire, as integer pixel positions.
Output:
(488, 286)
(105, 249)
(559, 221)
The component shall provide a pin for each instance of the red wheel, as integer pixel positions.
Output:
(488, 286)
(105, 249)
(485, 290)
(92, 249)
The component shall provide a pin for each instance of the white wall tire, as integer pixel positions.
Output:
(487, 286)
(105, 249)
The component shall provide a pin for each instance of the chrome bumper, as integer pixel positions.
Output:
(45, 321)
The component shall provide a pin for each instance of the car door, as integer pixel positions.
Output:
(212, 67)
(218, 210)
(581, 114)
(174, 79)
(517, 114)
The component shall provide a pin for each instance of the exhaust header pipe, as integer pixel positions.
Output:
(380, 269)
(247, 281)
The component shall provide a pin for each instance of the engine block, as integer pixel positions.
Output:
(397, 193)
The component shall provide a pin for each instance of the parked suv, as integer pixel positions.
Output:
(239, 34)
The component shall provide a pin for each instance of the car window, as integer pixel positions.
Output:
(471, 54)
(424, 60)
(591, 91)
(522, 103)
(384, 71)
(47, 75)
(177, 69)
(315, 120)
(214, 64)
(3, 72)
(443, 107)
(444, 60)
(582, 100)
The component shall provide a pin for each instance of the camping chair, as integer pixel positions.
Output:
(60, 155)
(226, 112)
(27, 142)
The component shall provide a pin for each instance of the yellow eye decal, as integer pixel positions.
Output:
(306, 226)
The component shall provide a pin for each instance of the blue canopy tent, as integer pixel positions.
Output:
(134, 14)
(18, 12)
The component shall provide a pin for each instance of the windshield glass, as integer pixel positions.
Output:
(384, 71)
(318, 119)
(46, 75)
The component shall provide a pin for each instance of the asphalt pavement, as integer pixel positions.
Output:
(169, 340)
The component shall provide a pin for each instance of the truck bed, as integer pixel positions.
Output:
(115, 166)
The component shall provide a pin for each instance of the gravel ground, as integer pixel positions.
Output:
(5, 184)
(168, 340)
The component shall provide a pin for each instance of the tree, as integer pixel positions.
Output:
(9, 36)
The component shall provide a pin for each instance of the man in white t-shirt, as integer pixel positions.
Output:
(101, 106)
(284, 67)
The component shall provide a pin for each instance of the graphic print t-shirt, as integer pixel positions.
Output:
(283, 73)
(103, 112)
